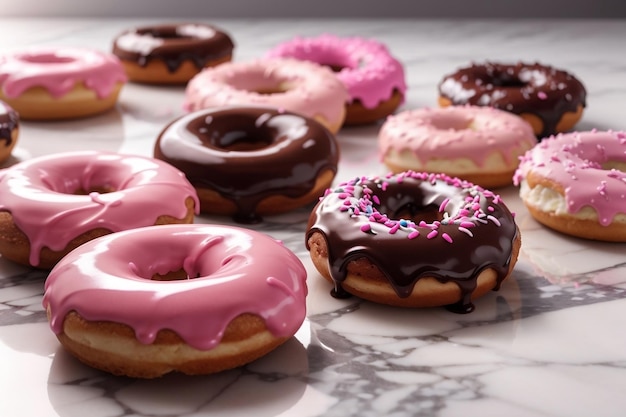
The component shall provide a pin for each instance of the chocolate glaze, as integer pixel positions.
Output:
(543, 91)
(9, 121)
(173, 44)
(252, 153)
(405, 261)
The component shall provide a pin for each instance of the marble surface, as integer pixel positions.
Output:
(549, 343)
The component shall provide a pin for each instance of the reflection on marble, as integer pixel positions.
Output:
(549, 343)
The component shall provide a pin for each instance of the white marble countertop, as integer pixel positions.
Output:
(549, 343)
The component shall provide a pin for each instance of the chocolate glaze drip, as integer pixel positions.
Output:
(405, 261)
(9, 120)
(254, 153)
(543, 91)
(178, 43)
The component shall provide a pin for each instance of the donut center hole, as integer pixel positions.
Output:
(96, 189)
(168, 35)
(269, 90)
(180, 275)
(240, 141)
(449, 122)
(49, 58)
(416, 213)
(618, 165)
(335, 67)
(506, 81)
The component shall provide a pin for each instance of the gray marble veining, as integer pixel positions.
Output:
(549, 343)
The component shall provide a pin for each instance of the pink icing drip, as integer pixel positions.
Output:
(311, 90)
(239, 271)
(575, 161)
(39, 195)
(456, 132)
(369, 71)
(58, 70)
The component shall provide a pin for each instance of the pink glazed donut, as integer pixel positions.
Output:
(575, 183)
(374, 79)
(191, 298)
(52, 204)
(302, 87)
(60, 83)
(478, 144)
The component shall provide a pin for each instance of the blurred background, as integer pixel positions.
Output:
(316, 8)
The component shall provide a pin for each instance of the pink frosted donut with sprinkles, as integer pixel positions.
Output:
(575, 183)
(413, 240)
(374, 78)
(303, 87)
(479, 144)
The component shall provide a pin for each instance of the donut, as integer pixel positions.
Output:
(197, 299)
(374, 79)
(550, 99)
(575, 183)
(60, 83)
(479, 144)
(413, 240)
(249, 162)
(9, 130)
(52, 204)
(286, 84)
(171, 54)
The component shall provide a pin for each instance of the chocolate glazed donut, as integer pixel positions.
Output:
(173, 45)
(9, 121)
(251, 161)
(411, 227)
(551, 100)
(9, 127)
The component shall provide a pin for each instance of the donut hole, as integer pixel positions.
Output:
(416, 212)
(165, 32)
(241, 141)
(95, 189)
(179, 275)
(260, 82)
(507, 81)
(450, 122)
(46, 58)
(618, 165)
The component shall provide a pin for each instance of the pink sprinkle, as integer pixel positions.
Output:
(446, 237)
(542, 95)
(343, 196)
(443, 205)
(394, 228)
(467, 224)
(384, 186)
(422, 223)
(493, 219)
(413, 234)
(490, 208)
(432, 234)
(466, 231)
(376, 199)
(366, 227)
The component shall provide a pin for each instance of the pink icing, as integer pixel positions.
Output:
(369, 72)
(575, 161)
(39, 195)
(456, 132)
(58, 70)
(238, 271)
(311, 89)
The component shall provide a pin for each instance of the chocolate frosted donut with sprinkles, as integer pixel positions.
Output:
(550, 99)
(413, 240)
